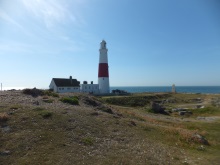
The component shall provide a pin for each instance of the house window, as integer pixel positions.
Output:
(62, 88)
(68, 88)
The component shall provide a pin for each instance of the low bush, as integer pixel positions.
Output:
(33, 92)
(47, 100)
(3, 117)
(70, 100)
(87, 141)
(45, 114)
(50, 93)
(15, 107)
(38, 109)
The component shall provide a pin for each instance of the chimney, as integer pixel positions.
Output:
(71, 80)
(91, 82)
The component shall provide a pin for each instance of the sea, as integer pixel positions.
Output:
(141, 89)
(179, 89)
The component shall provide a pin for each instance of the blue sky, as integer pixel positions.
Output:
(150, 42)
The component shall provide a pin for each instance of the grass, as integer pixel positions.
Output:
(77, 137)
(207, 111)
(45, 114)
(70, 100)
(38, 109)
(88, 141)
(15, 107)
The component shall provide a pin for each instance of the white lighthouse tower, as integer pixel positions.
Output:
(103, 69)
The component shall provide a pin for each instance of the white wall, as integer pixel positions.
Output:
(104, 85)
(68, 89)
(89, 88)
(103, 56)
(53, 86)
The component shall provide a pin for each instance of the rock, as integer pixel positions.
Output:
(132, 123)
(106, 109)
(199, 138)
(5, 153)
(36, 102)
(181, 113)
(168, 111)
(10, 113)
(200, 106)
(6, 128)
(157, 108)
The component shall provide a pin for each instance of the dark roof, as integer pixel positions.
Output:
(64, 82)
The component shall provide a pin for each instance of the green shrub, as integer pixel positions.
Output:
(48, 100)
(38, 109)
(15, 107)
(33, 92)
(50, 93)
(45, 114)
(70, 100)
(87, 141)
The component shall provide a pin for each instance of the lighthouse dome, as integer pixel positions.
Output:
(103, 44)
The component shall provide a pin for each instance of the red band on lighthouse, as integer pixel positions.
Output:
(103, 70)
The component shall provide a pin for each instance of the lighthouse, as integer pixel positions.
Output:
(103, 76)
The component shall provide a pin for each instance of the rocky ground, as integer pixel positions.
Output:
(44, 130)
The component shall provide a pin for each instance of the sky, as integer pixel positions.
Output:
(150, 42)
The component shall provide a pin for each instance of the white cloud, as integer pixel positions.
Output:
(14, 47)
(8, 19)
(54, 11)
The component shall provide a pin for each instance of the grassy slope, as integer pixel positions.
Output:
(85, 135)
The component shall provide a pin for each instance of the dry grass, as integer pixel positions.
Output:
(85, 134)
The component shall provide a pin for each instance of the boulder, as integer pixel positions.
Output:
(199, 138)
(157, 108)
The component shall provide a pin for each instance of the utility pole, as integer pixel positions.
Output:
(1, 86)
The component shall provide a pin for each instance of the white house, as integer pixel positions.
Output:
(89, 88)
(62, 85)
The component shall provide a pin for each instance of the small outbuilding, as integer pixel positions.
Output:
(62, 85)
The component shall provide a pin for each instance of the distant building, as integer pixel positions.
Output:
(89, 88)
(173, 88)
(62, 85)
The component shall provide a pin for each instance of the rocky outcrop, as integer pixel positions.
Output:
(157, 108)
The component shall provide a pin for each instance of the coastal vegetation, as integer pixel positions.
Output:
(71, 100)
(109, 129)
